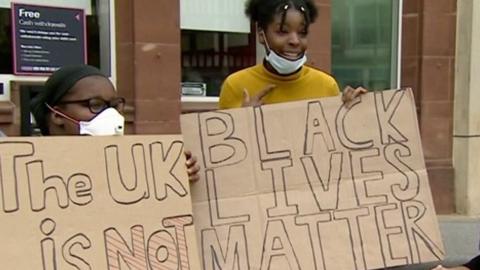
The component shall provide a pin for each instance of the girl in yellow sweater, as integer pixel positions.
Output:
(283, 29)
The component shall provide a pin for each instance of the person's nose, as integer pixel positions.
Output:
(294, 39)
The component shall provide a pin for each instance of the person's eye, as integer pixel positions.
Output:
(85, 104)
(118, 104)
(97, 105)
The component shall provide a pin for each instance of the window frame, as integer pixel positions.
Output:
(353, 49)
(399, 30)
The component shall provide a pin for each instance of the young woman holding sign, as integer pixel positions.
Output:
(283, 76)
(81, 100)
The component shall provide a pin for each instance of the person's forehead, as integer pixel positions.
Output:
(91, 86)
(292, 16)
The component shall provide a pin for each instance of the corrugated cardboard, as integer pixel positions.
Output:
(313, 185)
(95, 203)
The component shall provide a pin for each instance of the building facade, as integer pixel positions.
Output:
(433, 51)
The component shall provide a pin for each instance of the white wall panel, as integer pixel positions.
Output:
(214, 15)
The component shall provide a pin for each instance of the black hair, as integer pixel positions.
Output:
(263, 12)
(57, 86)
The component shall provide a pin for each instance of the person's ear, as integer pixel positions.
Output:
(55, 118)
(261, 35)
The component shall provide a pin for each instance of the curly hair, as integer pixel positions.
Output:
(263, 12)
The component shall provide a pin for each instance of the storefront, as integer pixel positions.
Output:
(157, 50)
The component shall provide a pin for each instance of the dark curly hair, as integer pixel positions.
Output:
(263, 12)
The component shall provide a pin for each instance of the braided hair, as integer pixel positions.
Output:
(262, 12)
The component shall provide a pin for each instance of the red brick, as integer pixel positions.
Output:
(436, 133)
(320, 61)
(439, 6)
(157, 21)
(410, 75)
(124, 21)
(157, 110)
(158, 127)
(319, 40)
(157, 71)
(439, 35)
(442, 186)
(436, 80)
(125, 70)
(411, 6)
(411, 36)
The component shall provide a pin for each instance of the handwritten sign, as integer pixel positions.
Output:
(95, 203)
(313, 185)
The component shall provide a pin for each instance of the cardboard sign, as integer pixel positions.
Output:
(95, 203)
(313, 185)
(47, 38)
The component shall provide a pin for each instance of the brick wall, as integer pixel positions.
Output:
(428, 61)
(319, 38)
(148, 62)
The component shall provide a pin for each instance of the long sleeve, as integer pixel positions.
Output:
(229, 97)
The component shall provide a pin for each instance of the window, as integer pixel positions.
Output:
(100, 37)
(6, 65)
(365, 38)
(209, 57)
(98, 47)
(216, 41)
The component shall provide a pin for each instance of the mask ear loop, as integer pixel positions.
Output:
(266, 41)
(284, 14)
(62, 114)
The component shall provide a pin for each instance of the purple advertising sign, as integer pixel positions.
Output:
(46, 38)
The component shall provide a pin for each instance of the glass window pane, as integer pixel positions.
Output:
(365, 43)
(209, 57)
(6, 63)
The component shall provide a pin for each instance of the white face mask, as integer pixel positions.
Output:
(108, 122)
(281, 64)
(285, 66)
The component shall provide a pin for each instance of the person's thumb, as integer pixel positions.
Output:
(246, 96)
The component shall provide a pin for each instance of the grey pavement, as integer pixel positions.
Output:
(461, 238)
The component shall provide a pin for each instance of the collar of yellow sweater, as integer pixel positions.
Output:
(279, 77)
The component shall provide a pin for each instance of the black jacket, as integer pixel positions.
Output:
(473, 264)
